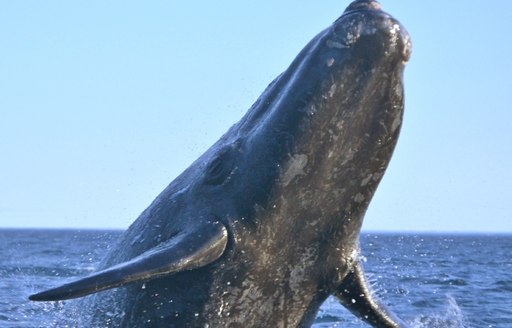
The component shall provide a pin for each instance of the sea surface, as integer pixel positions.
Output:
(429, 280)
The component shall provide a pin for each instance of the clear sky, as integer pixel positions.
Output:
(103, 103)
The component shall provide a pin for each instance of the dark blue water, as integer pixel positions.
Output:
(429, 280)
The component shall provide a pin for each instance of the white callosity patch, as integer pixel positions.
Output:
(348, 156)
(352, 38)
(395, 35)
(332, 90)
(347, 40)
(359, 198)
(365, 181)
(294, 168)
(396, 123)
(335, 44)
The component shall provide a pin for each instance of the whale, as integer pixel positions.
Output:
(264, 226)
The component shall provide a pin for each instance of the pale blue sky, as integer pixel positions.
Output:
(103, 103)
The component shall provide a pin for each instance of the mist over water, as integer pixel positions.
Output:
(445, 281)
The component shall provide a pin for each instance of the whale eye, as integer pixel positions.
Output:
(219, 169)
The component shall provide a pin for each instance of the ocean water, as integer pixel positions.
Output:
(428, 280)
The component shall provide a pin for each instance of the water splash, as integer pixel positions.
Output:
(453, 317)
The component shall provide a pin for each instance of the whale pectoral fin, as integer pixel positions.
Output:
(355, 294)
(186, 251)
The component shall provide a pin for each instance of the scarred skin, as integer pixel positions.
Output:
(288, 185)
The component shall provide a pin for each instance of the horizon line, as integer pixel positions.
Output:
(363, 231)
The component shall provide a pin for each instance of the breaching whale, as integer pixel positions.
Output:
(264, 226)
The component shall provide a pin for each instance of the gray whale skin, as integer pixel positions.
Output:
(264, 226)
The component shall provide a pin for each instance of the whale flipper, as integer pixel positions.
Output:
(185, 251)
(355, 294)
